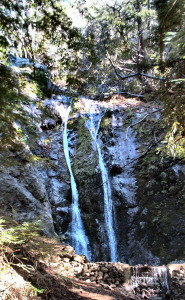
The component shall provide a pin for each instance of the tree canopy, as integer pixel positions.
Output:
(133, 47)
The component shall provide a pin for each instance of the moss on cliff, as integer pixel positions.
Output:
(161, 194)
(88, 179)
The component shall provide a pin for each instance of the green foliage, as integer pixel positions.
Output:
(172, 94)
(174, 142)
(32, 291)
(9, 106)
(34, 86)
(16, 124)
(171, 31)
(13, 233)
(40, 31)
(127, 36)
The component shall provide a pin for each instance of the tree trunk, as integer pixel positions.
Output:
(162, 51)
(140, 50)
(140, 47)
(149, 23)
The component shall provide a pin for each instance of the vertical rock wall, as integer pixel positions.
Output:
(147, 191)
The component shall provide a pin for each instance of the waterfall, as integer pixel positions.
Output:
(79, 239)
(93, 127)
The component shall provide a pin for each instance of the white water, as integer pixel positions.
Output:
(79, 239)
(155, 276)
(93, 125)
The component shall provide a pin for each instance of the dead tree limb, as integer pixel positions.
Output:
(127, 93)
(132, 125)
(173, 4)
(131, 75)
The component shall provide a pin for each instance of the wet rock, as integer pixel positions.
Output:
(59, 121)
(33, 181)
(58, 192)
(48, 124)
(54, 154)
(52, 172)
(116, 169)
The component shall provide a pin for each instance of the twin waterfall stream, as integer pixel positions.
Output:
(93, 114)
(93, 124)
(79, 239)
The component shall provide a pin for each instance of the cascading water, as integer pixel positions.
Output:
(79, 239)
(152, 276)
(93, 125)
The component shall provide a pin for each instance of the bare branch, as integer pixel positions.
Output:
(130, 75)
(127, 93)
(101, 96)
(163, 24)
(132, 125)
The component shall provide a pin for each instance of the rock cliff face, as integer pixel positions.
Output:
(23, 196)
(147, 192)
